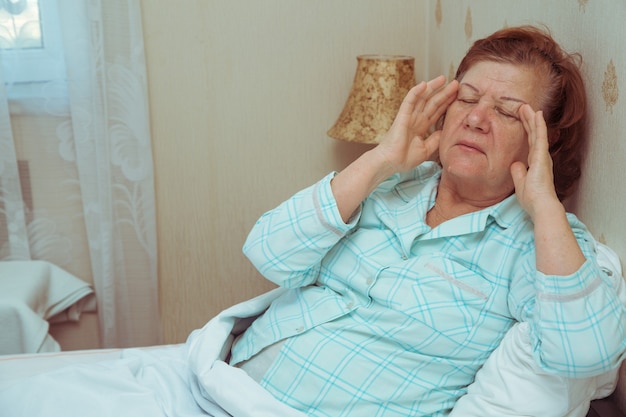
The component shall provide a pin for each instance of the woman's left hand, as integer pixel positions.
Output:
(534, 184)
(557, 251)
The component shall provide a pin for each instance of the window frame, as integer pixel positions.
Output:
(26, 69)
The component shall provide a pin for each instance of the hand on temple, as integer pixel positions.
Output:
(534, 184)
(406, 145)
(408, 142)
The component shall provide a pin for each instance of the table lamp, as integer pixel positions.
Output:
(380, 84)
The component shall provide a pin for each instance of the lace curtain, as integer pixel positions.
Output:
(76, 173)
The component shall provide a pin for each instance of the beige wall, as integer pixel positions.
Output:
(241, 96)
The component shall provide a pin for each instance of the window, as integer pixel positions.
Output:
(30, 44)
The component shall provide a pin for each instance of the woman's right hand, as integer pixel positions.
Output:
(405, 146)
(408, 143)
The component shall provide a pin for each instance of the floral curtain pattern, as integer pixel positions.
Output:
(76, 170)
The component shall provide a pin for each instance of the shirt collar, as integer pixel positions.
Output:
(415, 192)
(408, 184)
(507, 212)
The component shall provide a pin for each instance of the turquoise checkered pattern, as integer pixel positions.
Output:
(387, 317)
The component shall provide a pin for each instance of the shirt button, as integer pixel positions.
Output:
(349, 304)
(404, 257)
(300, 329)
(369, 281)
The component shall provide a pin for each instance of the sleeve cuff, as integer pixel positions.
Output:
(569, 287)
(327, 210)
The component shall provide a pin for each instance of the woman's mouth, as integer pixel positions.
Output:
(469, 146)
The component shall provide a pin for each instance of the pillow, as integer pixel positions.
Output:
(510, 383)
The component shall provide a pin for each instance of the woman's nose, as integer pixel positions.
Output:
(478, 118)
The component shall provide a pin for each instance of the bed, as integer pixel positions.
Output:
(194, 379)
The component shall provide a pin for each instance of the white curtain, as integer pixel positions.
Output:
(76, 172)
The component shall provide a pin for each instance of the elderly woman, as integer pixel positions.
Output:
(405, 274)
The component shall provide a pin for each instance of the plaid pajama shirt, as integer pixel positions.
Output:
(388, 317)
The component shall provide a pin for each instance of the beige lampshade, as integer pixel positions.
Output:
(380, 84)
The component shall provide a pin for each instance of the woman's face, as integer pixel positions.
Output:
(482, 133)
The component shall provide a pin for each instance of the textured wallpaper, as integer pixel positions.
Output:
(595, 29)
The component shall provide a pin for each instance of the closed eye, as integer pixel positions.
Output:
(507, 114)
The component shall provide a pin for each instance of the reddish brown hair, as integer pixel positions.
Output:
(564, 102)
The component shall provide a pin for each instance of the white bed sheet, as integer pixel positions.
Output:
(14, 368)
(186, 380)
(118, 382)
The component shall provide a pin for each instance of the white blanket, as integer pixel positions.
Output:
(214, 380)
(31, 294)
(189, 380)
(135, 383)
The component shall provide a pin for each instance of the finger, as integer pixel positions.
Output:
(435, 105)
(518, 173)
(541, 132)
(418, 96)
(435, 84)
(425, 103)
(535, 125)
(536, 129)
(439, 102)
(432, 142)
(527, 116)
(412, 98)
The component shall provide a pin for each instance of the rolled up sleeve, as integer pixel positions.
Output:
(578, 322)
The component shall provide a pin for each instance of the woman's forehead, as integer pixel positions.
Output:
(504, 81)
